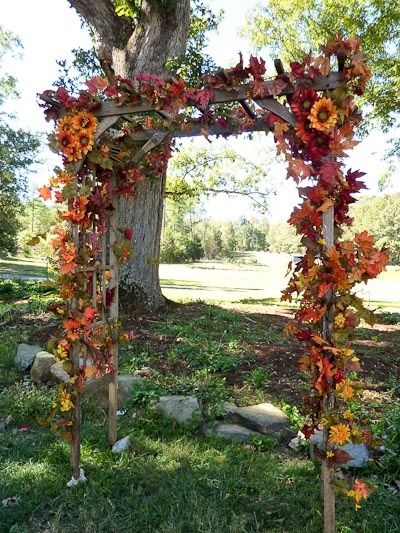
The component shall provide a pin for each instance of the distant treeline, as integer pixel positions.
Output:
(188, 236)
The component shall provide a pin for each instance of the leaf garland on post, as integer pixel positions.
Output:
(314, 149)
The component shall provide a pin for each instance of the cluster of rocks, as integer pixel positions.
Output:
(237, 424)
(42, 365)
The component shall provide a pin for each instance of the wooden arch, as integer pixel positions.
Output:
(101, 275)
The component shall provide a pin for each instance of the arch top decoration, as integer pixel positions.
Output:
(118, 133)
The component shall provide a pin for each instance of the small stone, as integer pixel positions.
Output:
(358, 452)
(40, 371)
(25, 356)
(264, 418)
(121, 445)
(58, 373)
(183, 409)
(125, 387)
(232, 432)
(146, 372)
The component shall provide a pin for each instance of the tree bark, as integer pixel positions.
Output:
(159, 34)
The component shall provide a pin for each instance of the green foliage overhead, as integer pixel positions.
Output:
(291, 28)
(202, 172)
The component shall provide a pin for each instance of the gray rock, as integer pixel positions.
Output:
(358, 452)
(125, 387)
(146, 372)
(183, 409)
(232, 432)
(264, 418)
(25, 356)
(121, 445)
(58, 373)
(40, 371)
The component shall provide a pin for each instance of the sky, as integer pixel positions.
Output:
(50, 29)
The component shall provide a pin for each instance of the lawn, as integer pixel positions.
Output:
(22, 267)
(257, 276)
(177, 480)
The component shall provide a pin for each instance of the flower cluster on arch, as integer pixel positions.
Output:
(96, 169)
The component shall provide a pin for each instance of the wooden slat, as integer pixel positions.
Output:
(247, 108)
(94, 385)
(278, 109)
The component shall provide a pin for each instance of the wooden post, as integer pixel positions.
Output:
(76, 432)
(326, 471)
(113, 385)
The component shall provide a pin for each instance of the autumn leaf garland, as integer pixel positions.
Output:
(314, 150)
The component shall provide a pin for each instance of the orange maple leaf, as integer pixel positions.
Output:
(68, 268)
(45, 192)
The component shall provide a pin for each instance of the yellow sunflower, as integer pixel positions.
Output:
(83, 121)
(323, 115)
(339, 434)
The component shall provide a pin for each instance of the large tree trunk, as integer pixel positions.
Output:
(124, 49)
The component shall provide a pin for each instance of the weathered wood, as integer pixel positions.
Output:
(278, 109)
(113, 385)
(279, 66)
(247, 108)
(76, 416)
(327, 473)
(222, 96)
(94, 385)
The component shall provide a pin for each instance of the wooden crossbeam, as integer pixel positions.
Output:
(221, 96)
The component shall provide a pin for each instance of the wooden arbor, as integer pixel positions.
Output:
(262, 109)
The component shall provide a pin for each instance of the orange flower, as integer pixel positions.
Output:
(323, 115)
(303, 131)
(67, 143)
(339, 434)
(84, 122)
(345, 390)
(84, 143)
(359, 491)
(65, 123)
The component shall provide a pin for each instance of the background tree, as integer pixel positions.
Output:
(379, 215)
(290, 28)
(206, 172)
(17, 154)
(282, 238)
(133, 36)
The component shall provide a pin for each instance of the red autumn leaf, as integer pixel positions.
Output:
(89, 314)
(96, 84)
(307, 431)
(45, 192)
(297, 69)
(257, 68)
(374, 265)
(128, 233)
(365, 241)
(276, 87)
(340, 457)
(325, 367)
(324, 287)
(298, 169)
(328, 172)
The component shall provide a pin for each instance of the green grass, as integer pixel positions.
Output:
(22, 266)
(172, 479)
